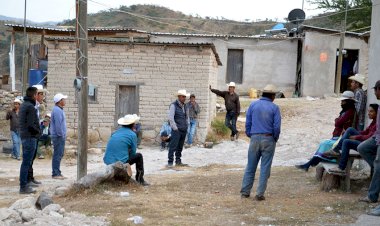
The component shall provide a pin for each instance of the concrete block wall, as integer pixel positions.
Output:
(159, 70)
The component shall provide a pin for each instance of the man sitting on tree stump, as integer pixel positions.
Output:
(122, 147)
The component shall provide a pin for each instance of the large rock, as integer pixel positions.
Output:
(24, 203)
(51, 208)
(60, 190)
(6, 213)
(28, 214)
(43, 200)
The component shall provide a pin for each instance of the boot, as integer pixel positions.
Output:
(140, 178)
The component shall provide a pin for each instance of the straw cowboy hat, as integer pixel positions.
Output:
(347, 95)
(128, 119)
(231, 84)
(358, 78)
(182, 92)
(17, 101)
(40, 88)
(270, 89)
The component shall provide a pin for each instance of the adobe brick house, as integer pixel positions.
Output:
(134, 77)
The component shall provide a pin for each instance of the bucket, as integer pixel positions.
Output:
(36, 77)
(253, 93)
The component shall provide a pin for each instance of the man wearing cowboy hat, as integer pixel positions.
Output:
(12, 116)
(231, 100)
(357, 82)
(58, 134)
(40, 111)
(370, 151)
(122, 147)
(179, 121)
(263, 126)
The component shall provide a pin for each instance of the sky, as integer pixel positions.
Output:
(239, 10)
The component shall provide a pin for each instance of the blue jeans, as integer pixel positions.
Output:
(176, 145)
(16, 140)
(349, 132)
(371, 153)
(191, 131)
(59, 149)
(260, 147)
(28, 152)
(345, 144)
(230, 122)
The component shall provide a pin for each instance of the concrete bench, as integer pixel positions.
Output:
(344, 179)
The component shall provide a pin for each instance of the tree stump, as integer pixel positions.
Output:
(330, 181)
(116, 171)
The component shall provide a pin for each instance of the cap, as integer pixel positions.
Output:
(58, 97)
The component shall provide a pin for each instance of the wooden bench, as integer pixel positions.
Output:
(332, 180)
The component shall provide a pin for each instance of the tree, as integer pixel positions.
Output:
(358, 12)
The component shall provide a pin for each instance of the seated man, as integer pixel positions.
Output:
(45, 139)
(122, 147)
(165, 134)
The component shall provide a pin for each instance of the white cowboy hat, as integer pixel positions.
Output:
(58, 97)
(182, 92)
(17, 101)
(358, 78)
(270, 89)
(231, 84)
(347, 95)
(128, 119)
(48, 115)
(40, 88)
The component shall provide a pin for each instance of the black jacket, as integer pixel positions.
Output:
(28, 120)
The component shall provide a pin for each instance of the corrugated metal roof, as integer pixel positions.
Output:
(218, 35)
(308, 27)
(97, 29)
(123, 41)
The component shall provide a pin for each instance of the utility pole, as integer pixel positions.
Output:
(24, 70)
(338, 75)
(82, 73)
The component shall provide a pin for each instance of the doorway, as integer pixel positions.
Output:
(127, 101)
(350, 66)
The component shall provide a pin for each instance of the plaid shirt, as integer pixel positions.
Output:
(360, 105)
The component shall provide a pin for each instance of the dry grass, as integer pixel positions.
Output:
(210, 196)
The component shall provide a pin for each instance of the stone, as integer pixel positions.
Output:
(24, 203)
(28, 214)
(55, 214)
(51, 208)
(43, 200)
(6, 213)
(60, 190)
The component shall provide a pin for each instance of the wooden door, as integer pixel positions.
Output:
(235, 66)
(127, 101)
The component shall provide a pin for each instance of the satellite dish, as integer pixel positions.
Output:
(296, 16)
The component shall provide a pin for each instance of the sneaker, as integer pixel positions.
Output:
(232, 137)
(59, 177)
(366, 199)
(27, 190)
(180, 164)
(144, 183)
(375, 211)
(169, 165)
(337, 170)
(41, 157)
(332, 153)
(302, 167)
(15, 157)
(260, 197)
(187, 145)
(31, 184)
(162, 148)
(244, 196)
(237, 135)
(36, 181)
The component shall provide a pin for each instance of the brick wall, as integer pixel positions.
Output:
(160, 71)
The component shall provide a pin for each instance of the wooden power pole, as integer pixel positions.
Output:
(82, 74)
(340, 60)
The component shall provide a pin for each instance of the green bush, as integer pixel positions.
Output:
(219, 127)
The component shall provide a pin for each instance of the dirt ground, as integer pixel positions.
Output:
(207, 192)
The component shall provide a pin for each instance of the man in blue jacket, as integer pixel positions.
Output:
(122, 147)
(263, 126)
(29, 125)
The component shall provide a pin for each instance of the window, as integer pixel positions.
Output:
(235, 66)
